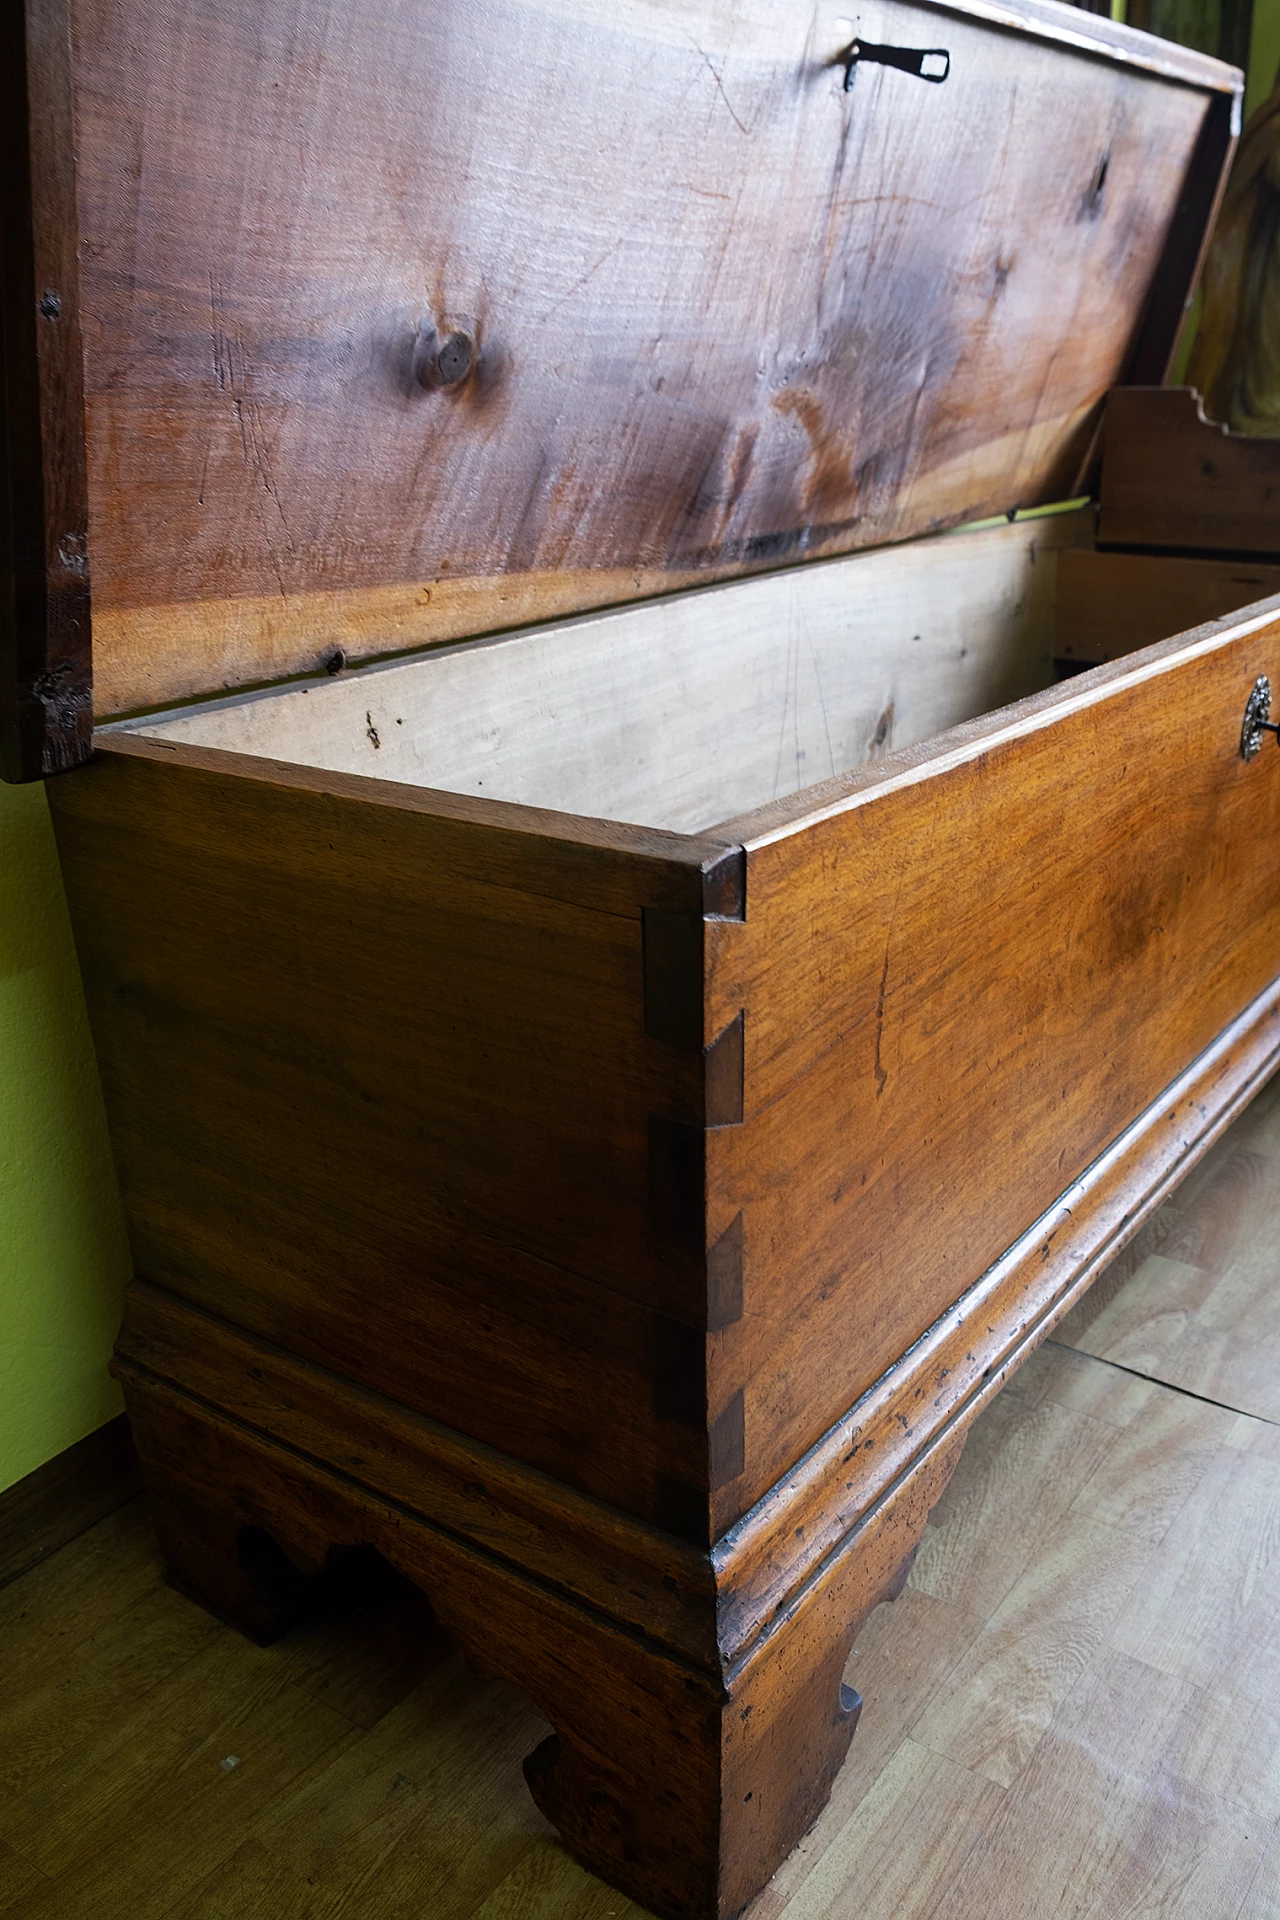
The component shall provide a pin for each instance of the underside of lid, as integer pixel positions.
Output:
(409, 319)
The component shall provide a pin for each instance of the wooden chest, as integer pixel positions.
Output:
(601, 1106)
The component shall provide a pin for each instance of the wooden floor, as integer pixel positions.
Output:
(1074, 1709)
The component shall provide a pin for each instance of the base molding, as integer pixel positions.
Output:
(683, 1787)
(65, 1497)
(645, 1581)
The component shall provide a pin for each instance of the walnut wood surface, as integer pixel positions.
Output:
(761, 1567)
(1172, 478)
(45, 666)
(1178, 272)
(598, 1555)
(969, 1354)
(725, 312)
(381, 1090)
(415, 1096)
(698, 1688)
(955, 999)
(323, 1024)
(777, 1556)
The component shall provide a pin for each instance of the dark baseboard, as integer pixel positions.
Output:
(66, 1496)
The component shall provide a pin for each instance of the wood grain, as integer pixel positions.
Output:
(46, 716)
(969, 1354)
(780, 1554)
(18, 1880)
(929, 1062)
(766, 1619)
(1192, 1305)
(1176, 276)
(1228, 358)
(685, 1787)
(69, 1494)
(165, 1756)
(48, 1722)
(1146, 1788)
(225, 907)
(769, 317)
(614, 1565)
(1112, 604)
(417, 1811)
(1172, 478)
(707, 703)
(358, 1102)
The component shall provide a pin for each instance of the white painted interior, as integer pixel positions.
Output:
(683, 712)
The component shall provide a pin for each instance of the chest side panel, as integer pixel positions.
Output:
(709, 309)
(380, 1087)
(956, 995)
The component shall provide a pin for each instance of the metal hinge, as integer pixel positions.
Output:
(927, 63)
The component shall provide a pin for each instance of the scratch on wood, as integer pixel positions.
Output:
(723, 95)
(246, 414)
(881, 1075)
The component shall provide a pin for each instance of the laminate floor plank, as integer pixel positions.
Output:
(909, 1838)
(165, 1794)
(51, 1714)
(430, 1800)
(19, 1881)
(1262, 1902)
(1023, 1468)
(1079, 1689)
(904, 1653)
(376, 1641)
(1065, 1378)
(1229, 1350)
(1208, 1611)
(69, 1597)
(547, 1885)
(1178, 1821)
(1194, 1301)
(992, 1711)
(1156, 1466)
(1104, 1822)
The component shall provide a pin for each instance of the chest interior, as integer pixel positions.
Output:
(690, 711)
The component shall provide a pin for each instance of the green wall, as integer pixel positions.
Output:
(1264, 53)
(63, 1257)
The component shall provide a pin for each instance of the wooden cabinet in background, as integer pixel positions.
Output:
(602, 1104)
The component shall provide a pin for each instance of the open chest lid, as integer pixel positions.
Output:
(411, 319)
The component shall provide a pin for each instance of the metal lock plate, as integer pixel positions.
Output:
(1257, 718)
